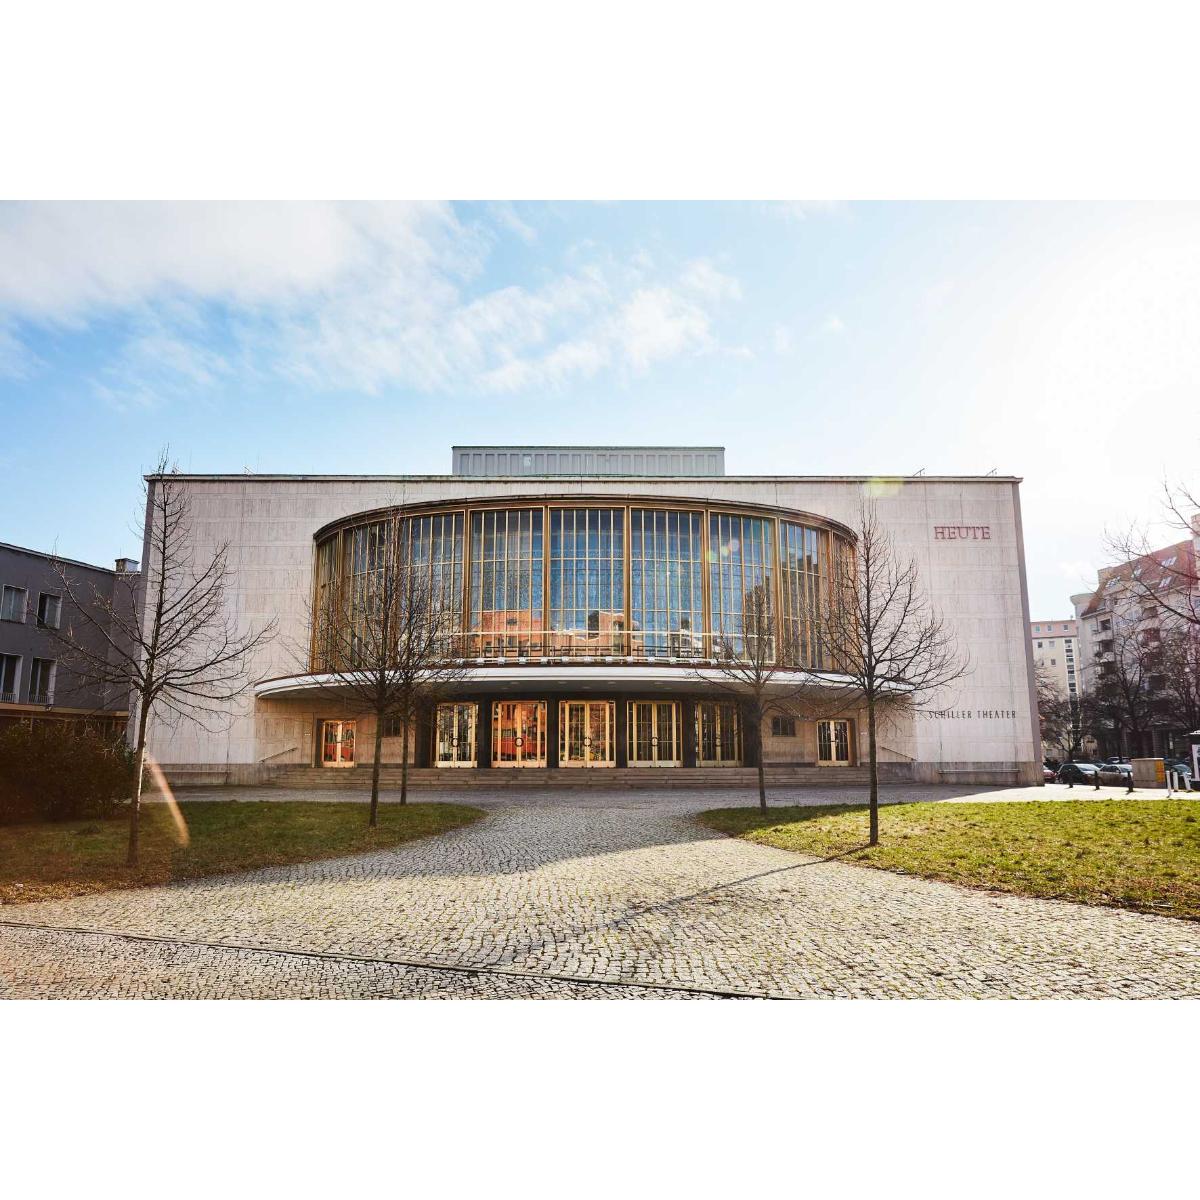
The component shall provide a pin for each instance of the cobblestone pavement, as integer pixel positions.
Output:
(617, 888)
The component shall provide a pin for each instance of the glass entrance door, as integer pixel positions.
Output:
(654, 739)
(833, 743)
(519, 733)
(587, 733)
(718, 735)
(337, 743)
(455, 735)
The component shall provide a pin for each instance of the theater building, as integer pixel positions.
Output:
(590, 586)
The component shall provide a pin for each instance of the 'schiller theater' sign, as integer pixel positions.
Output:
(962, 533)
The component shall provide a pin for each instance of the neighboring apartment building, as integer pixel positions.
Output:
(1055, 660)
(35, 686)
(1054, 646)
(590, 587)
(1123, 621)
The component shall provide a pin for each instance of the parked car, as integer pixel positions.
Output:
(1077, 772)
(1048, 774)
(1120, 773)
(1183, 770)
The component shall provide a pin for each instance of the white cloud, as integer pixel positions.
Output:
(659, 323)
(834, 325)
(506, 215)
(16, 362)
(361, 295)
(701, 277)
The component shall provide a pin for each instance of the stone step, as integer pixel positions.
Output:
(357, 778)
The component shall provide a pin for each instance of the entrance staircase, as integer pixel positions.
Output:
(448, 779)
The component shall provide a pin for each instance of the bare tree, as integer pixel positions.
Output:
(887, 649)
(387, 645)
(180, 650)
(1120, 703)
(752, 674)
(1058, 718)
(1172, 584)
(1178, 693)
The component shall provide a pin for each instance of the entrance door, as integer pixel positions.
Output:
(718, 735)
(519, 733)
(833, 743)
(455, 735)
(337, 743)
(654, 739)
(587, 733)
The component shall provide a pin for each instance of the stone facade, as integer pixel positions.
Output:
(984, 728)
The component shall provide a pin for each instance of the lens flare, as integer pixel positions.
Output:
(879, 488)
(164, 790)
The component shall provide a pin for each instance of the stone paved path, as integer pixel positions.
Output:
(624, 890)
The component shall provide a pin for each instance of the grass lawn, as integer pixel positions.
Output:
(44, 862)
(1140, 854)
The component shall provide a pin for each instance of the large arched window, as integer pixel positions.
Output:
(506, 582)
(436, 542)
(598, 577)
(586, 566)
(802, 567)
(741, 556)
(666, 583)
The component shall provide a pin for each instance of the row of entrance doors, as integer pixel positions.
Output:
(587, 735)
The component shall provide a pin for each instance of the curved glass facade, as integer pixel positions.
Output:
(596, 580)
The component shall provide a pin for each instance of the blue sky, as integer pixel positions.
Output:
(1057, 342)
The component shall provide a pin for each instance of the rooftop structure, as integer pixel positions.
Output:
(681, 461)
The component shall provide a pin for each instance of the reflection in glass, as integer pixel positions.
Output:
(740, 556)
(666, 586)
(654, 734)
(436, 542)
(506, 582)
(519, 733)
(718, 735)
(456, 735)
(801, 563)
(587, 580)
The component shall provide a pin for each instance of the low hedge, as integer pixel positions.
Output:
(51, 773)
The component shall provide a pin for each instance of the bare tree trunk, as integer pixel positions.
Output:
(135, 805)
(374, 819)
(762, 775)
(873, 756)
(404, 767)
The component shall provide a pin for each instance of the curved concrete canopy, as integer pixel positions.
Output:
(596, 679)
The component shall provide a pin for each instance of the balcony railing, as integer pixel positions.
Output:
(680, 647)
(8, 697)
(41, 696)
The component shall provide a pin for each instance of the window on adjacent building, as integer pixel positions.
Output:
(391, 726)
(41, 681)
(1039, 645)
(10, 678)
(12, 604)
(49, 610)
(783, 726)
(1106, 624)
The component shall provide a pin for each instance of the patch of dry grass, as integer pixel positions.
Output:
(1138, 854)
(73, 858)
